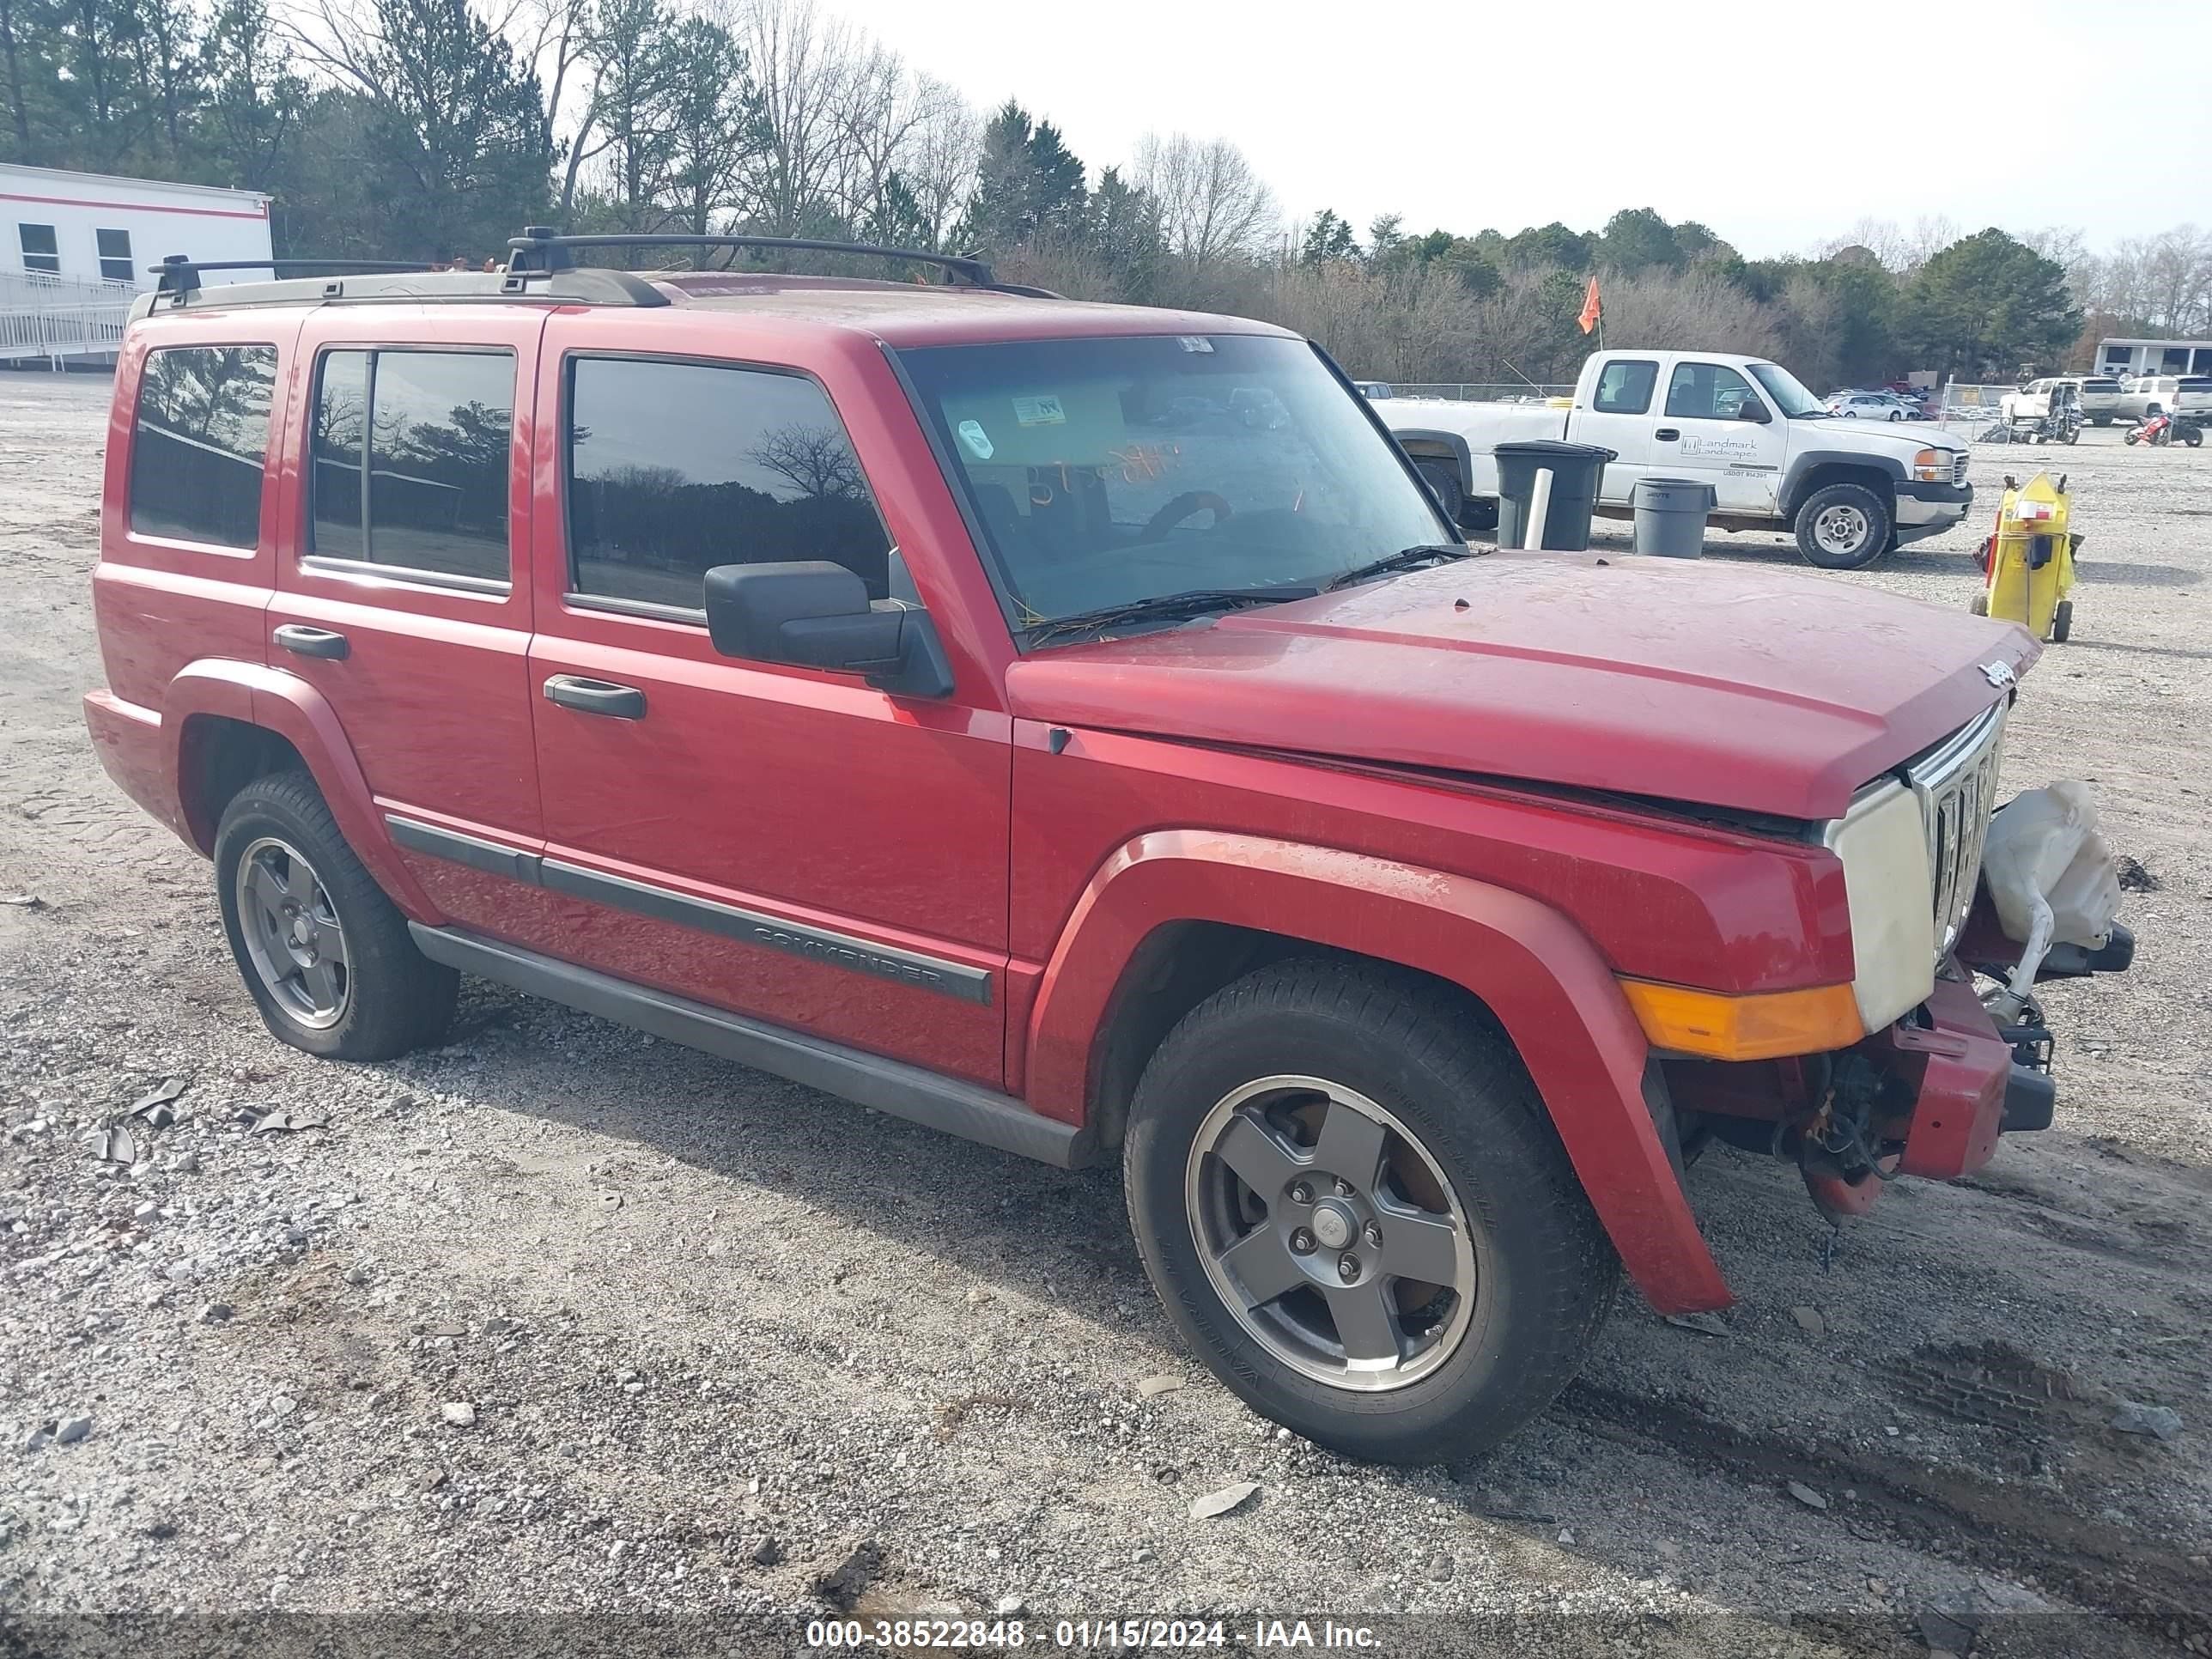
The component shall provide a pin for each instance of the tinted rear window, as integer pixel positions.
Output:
(201, 438)
(424, 439)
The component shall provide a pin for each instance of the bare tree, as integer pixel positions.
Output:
(1212, 204)
(800, 61)
(814, 460)
(937, 160)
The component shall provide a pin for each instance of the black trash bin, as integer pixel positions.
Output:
(1670, 516)
(1576, 470)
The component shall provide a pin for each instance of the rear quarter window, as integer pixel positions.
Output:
(199, 440)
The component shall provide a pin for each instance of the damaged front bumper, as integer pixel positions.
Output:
(1928, 1096)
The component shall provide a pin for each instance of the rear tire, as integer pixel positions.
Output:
(2062, 622)
(325, 956)
(1373, 1106)
(1845, 527)
(1479, 514)
(1443, 481)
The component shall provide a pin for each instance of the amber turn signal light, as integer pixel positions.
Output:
(1765, 1027)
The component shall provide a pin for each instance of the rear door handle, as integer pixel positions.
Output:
(304, 642)
(624, 702)
(1667, 435)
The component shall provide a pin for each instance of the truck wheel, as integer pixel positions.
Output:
(1443, 479)
(2062, 622)
(1480, 513)
(1357, 1215)
(2193, 436)
(325, 955)
(1843, 527)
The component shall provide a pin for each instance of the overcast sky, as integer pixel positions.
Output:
(1775, 122)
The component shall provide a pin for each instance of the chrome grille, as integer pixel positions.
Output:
(1959, 467)
(1956, 782)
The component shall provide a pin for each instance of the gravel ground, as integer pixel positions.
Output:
(558, 1323)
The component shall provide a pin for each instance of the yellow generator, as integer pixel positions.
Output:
(2030, 560)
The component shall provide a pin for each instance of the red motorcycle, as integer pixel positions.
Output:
(2162, 428)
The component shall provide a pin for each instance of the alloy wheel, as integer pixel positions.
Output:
(293, 935)
(1331, 1233)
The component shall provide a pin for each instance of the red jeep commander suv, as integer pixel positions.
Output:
(1075, 727)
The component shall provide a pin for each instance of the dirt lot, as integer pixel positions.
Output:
(737, 1353)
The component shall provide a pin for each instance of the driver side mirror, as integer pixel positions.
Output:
(813, 614)
(1753, 410)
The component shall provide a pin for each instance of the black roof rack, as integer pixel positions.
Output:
(180, 273)
(539, 267)
(540, 249)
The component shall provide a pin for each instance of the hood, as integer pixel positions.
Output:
(1714, 683)
(1908, 435)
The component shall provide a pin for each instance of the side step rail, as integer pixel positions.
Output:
(965, 1109)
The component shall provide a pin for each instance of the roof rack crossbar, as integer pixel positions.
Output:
(180, 273)
(539, 250)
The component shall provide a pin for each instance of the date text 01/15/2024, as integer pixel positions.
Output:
(1088, 1635)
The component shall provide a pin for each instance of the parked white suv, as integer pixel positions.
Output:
(2165, 394)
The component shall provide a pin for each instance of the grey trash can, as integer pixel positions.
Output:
(1578, 473)
(1670, 517)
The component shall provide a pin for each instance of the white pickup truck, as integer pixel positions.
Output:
(1849, 490)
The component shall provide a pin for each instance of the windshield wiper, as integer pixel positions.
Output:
(1166, 607)
(1404, 559)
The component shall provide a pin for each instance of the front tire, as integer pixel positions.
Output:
(2062, 622)
(1357, 1215)
(325, 956)
(1845, 527)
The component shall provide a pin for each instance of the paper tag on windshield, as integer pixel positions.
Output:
(972, 434)
(1194, 342)
(1040, 411)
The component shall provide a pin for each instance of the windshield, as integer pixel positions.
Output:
(1109, 472)
(1788, 394)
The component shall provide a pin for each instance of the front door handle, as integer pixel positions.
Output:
(1667, 435)
(304, 642)
(624, 702)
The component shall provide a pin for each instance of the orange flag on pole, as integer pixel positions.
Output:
(1591, 310)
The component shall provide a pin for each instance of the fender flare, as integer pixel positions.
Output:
(295, 711)
(1531, 966)
(1793, 481)
(1451, 440)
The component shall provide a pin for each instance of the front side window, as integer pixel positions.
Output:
(675, 468)
(1113, 471)
(114, 255)
(1709, 392)
(1788, 392)
(40, 251)
(1624, 386)
(410, 459)
(199, 441)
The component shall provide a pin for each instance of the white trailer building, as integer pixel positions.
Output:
(2132, 359)
(74, 248)
(95, 228)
